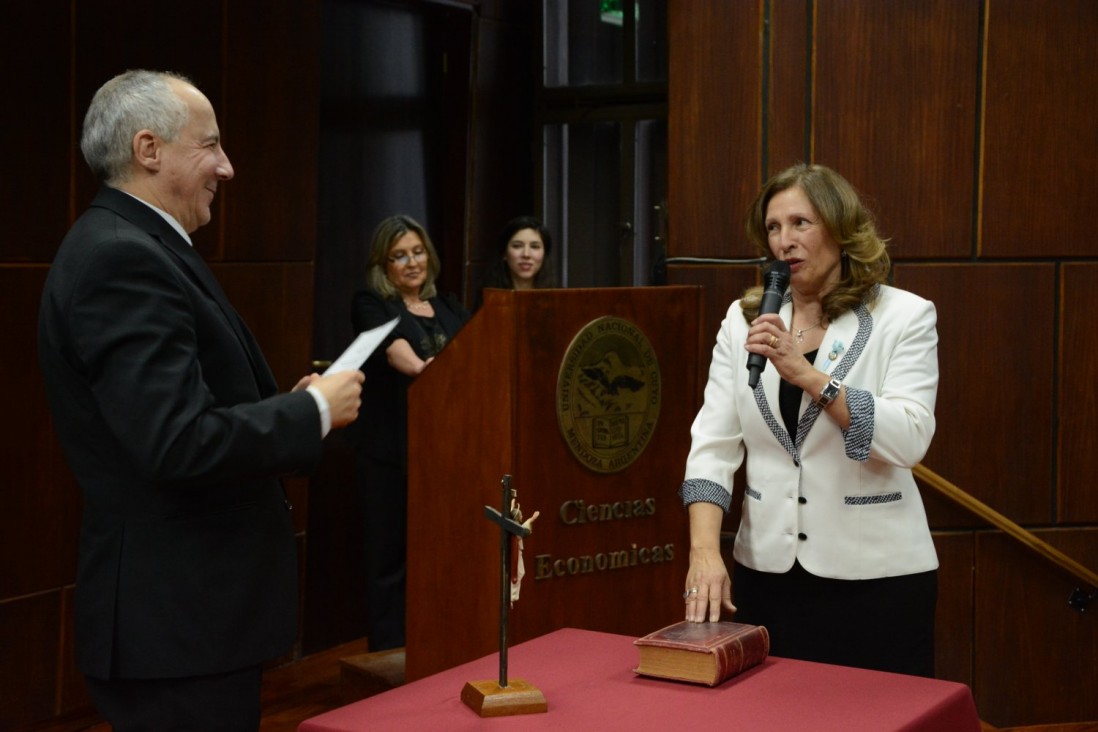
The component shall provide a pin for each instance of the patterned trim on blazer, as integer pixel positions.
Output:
(861, 414)
(699, 489)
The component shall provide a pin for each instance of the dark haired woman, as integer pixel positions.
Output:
(522, 257)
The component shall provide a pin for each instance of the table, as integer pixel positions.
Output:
(589, 684)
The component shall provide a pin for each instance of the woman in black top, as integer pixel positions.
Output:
(401, 275)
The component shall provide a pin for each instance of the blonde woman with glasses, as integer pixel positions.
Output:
(401, 274)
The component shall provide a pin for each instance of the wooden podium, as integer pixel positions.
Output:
(609, 552)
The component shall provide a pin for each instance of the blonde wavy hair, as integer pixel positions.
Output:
(385, 236)
(865, 260)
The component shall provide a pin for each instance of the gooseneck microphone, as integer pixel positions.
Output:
(777, 279)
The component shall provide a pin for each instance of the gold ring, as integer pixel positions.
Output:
(773, 341)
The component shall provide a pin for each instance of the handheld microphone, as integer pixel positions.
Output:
(777, 279)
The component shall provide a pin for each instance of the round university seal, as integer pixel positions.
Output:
(608, 394)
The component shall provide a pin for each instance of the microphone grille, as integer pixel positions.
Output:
(778, 274)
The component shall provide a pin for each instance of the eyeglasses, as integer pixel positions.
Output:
(403, 258)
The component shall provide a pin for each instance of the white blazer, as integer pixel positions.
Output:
(843, 503)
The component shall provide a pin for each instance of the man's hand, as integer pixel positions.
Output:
(343, 390)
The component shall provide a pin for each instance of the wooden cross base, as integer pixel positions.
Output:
(489, 699)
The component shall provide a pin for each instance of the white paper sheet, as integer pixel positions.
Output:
(361, 348)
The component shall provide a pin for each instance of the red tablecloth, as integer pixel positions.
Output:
(588, 682)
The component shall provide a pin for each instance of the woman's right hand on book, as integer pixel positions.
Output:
(708, 586)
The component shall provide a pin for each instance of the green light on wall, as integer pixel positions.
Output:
(610, 12)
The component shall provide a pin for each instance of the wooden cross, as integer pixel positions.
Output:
(489, 698)
(508, 528)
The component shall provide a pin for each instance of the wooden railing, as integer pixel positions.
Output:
(1023, 536)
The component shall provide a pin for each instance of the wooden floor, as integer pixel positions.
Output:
(309, 687)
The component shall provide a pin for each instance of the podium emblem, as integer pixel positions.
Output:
(608, 394)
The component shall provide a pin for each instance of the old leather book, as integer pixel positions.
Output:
(702, 653)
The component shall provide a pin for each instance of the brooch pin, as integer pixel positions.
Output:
(837, 349)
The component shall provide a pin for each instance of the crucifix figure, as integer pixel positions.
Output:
(512, 531)
(518, 697)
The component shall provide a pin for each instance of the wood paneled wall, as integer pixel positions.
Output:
(972, 130)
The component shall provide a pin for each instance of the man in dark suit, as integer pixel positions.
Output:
(172, 423)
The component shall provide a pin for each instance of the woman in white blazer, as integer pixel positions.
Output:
(833, 553)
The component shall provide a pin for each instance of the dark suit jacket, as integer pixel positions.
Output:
(170, 420)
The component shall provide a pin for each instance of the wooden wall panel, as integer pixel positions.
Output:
(1027, 637)
(722, 285)
(112, 36)
(35, 132)
(994, 408)
(335, 602)
(713, 127)
(270, 126)
(40, 498)
(72, 692)
(886, 119)
(1077, 405)
(787, 115)
(1040, 127)
(942, 513)
(276, 302)
(954, 619)
(28, 671)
